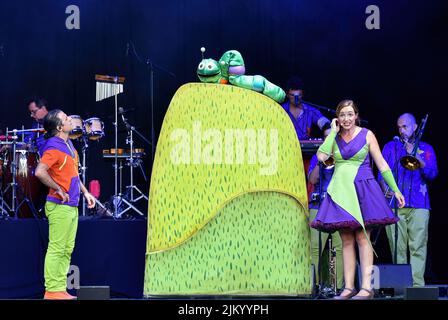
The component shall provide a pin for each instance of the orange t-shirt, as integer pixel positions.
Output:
(62, 160)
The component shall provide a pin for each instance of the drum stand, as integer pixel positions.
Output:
(15, 206)
(84, 176)
(132, 162)
(3, 212)
(325, 292)
(85, 146)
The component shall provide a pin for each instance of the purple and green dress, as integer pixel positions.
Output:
(354, 198)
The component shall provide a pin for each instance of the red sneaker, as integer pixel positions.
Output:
(70, 297)
(58, 295)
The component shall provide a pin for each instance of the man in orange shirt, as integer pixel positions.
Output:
(58, 170)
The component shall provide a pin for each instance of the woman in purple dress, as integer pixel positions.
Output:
(354, 202)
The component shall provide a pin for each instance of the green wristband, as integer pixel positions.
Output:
(327, 146)
(389, 178)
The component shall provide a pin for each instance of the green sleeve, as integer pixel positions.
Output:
(389, 178)
(327, 146)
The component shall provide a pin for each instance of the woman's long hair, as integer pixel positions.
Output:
(51, 123)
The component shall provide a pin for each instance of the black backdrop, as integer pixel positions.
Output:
(399, 68)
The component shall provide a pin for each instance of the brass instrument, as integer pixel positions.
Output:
(410, 162)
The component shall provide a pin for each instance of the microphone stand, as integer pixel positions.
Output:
(85, 146)
(396, 206)
(329, 110)
(130, 140)
(321, 292)
(151, 66)
(395, 170)
(324, 292)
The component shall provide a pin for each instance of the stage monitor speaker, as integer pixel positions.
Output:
(94, 293)
(390, 279)
(421, 293)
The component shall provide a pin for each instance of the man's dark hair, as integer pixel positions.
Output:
(40, 102)
(294, 83)
(51, 123)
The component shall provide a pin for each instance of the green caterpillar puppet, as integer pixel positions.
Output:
(230, 69)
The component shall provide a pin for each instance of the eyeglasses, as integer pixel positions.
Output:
(346, 115)
(33, 112)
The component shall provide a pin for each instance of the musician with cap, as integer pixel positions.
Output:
(413, 164)
(302, 115)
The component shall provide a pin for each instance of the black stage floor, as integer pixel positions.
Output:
(107, 253)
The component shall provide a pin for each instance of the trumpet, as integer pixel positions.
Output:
(410, 161)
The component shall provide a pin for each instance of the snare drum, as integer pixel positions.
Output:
(94, 128)
(77, 127)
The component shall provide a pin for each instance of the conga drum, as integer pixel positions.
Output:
(77, 127)
(30, 191)
(94, 128)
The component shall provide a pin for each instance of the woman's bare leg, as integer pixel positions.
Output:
(349, 258)
(366, 260)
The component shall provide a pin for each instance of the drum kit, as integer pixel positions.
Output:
(22, 195)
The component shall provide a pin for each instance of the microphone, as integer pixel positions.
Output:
(122, 112)
(400, 140)
(296, 100)
(127, 49)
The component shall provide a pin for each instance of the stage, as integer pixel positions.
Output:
(107, 253)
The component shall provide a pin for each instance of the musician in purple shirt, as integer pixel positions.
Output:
(303, 116)
(414, 217)
(38, 110)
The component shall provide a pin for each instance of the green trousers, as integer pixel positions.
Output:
(412, 235)
(337, 243)
(63, 223)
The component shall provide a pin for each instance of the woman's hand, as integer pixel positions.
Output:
(335, 125)
(400, 199)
